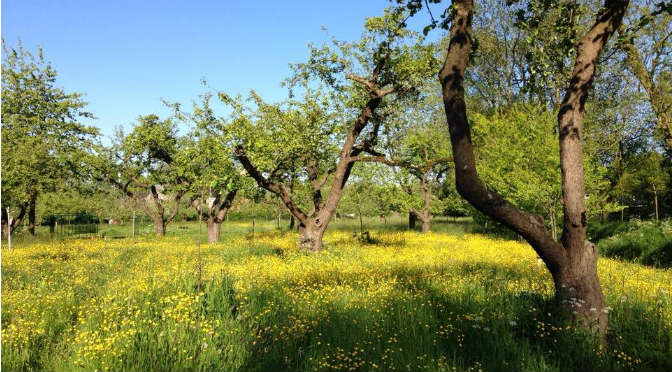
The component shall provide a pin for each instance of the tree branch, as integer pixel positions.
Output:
(276, 188)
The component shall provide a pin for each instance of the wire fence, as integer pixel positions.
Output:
(72, 224)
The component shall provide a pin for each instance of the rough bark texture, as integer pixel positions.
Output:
(573, 261)
(214, 229)
(310, 237)
(159, 226)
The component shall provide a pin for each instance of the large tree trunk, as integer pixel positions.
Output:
(159, 226)
(214, 229)
(577, 288)
(310, 237)
(573, 264)
(31, 214)
(425, 221)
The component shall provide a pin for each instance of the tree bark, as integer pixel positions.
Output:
(655, 203)
(32, 214)
(214, 229)
(554, 227)
(427, 198)
(412, 218)
(310, 237)
(425, 222)
(159, 226)
(572, 264)
(291, 222)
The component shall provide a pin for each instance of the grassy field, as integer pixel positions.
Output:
(449, 300)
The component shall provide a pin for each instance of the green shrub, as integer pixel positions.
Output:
(661, 257)
(598, 230)
(640, 240)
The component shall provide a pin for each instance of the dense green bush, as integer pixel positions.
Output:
(598, 230)
(661, 257)
(644, 242)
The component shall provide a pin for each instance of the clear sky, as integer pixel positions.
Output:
(124, 56)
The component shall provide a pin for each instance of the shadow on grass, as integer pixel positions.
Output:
(422, 327)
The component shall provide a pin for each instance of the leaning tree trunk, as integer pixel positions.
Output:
(572, 264)
(214, 229)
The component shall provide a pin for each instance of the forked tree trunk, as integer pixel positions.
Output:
(573, 262)
(214, 229)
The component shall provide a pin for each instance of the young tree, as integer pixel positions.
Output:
(142, 165)
(306, 136)
(43, 143)
(572, 262)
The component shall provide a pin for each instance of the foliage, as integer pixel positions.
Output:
(643, 242)
(43, 142)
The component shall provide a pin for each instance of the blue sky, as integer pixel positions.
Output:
(124, 56)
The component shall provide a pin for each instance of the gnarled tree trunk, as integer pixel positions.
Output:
(573, 261)
(310, 237)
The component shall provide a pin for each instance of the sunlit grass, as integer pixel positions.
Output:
(406, 302)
